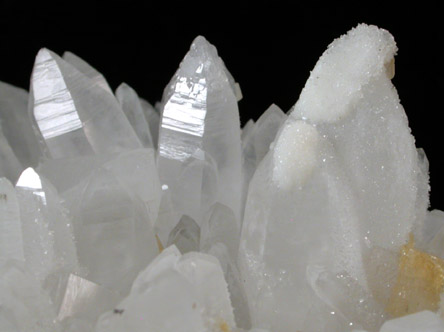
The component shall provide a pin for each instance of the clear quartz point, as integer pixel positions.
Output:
(132, 107)
(75, 116)
(200, 121)
(86, 69)
(185, 236)
(17, 127)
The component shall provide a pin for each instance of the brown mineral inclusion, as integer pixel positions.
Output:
(419, 283)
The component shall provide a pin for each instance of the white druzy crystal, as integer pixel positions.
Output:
(343, 176)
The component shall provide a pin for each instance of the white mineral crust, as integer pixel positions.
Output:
(174, 293)
(199, 138)
(343, 176)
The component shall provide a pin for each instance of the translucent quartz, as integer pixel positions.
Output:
(11, 240)
(85, 300)
(332, 186)
(113, 212)
(24, 305)
(234, 280)
(256, 140)
(153, 118)
(221, 227)
(199, 137)
(47, 231)
(174, 293)
(130, 102)
(16, 125)
(86, 69)
(185, 236)
(76, 117)
(10, 166)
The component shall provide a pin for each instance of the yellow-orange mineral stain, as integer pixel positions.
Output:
(224, 327)
(419, 283)
(159, 244)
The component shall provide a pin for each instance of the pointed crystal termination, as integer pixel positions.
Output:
(185, 236)
(174, 293)
(11, 240)
(359, 185)
(153, 118)
(351, 100)
(47, 231)
(200, 133)
(113, 211)
(221, 227)
(75, 116)
(10, 166)
(87, 70)
(15, 122)
(296, 204)
(130, 102)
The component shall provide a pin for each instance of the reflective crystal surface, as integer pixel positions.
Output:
(199, 137)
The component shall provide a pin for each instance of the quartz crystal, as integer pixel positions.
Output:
(199, 137)
(119, 216)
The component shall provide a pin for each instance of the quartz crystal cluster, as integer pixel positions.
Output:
(119, 216)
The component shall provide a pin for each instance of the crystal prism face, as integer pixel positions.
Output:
(131, 105)
(200, 121)
(185, 236)
(129, 217)
(75, 116)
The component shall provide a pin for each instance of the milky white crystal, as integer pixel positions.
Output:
(342, 166)
(174, 293)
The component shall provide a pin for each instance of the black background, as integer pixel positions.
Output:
(268, 46)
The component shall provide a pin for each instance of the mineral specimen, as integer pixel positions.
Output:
(119, 216)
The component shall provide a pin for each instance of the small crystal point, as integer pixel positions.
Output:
(152, 116)
(130, 102)
(419, 322)
(17, 127)
(186, 235)
(200, 121)
(10, 166)
(47, 230)
(75, 116)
